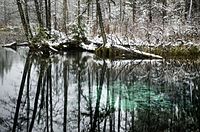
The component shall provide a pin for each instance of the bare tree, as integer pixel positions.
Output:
(99, 13)
(23, 19)
(65, 15)
(133, 10)
(150, 10)
(27, 18)
(38, 13)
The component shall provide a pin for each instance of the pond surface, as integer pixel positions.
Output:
(81, 92)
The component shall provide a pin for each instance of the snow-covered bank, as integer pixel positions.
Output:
(117, 46)
(60, 42)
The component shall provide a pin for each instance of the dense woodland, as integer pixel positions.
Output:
(151, 22)
(83, 91)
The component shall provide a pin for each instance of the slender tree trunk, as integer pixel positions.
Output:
(38, 13)
(90, 99)
(79, 14)
(41, 74)
(65, 76)
(164, 12)
(28, 97)
(5, 13)
(26, 69)
(109, 10)
(55, 15)
(101, 25)
(46, 13)
(186, 9)
(108, 97)
(41, 9)
(99, 93)
(65, 15)
(92, 13)
(47, 107)
(51, 96)
(150, 10)
(119, 109)
(88, 12)
(42, 102)
(79, 101)
(133, 10)
(190, 11)
(27, 19)
(120, 10)
(49, 15)
(23, 19)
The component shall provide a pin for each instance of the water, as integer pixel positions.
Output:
(81, 92)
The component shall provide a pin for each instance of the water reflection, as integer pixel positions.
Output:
(6, 60)
(79, 92)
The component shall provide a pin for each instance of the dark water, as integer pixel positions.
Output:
(80, 92)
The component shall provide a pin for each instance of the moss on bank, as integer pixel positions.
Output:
(115, 52)
(177, 52)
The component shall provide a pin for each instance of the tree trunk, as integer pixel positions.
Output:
(133, 10)
(79, 14)
(186, 9)
(65, 77)
(150, 10)
(190, 11)
(120, 10)
(38, 13)
(88, 12)
(19, 99)
(27, 19)
(23, 20)
(55, 15)
(5, 13)
(164, 12)
(101, 23)
(48, 14)
(65, 15)
(38, 90)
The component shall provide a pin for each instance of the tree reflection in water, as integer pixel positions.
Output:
(78, 92)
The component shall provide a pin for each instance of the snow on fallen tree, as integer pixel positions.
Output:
(12, 45)
(121, 52)
(60, 42)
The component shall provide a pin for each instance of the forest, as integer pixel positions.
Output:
(97, 25)
(100, 65)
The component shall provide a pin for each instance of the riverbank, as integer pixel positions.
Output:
(116, 48)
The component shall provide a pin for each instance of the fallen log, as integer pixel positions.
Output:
(120, 52)
(109, 51)
(12, 45)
